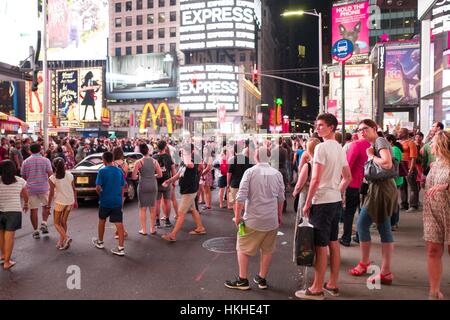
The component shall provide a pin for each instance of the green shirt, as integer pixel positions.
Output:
(398, 156)
(428, 157)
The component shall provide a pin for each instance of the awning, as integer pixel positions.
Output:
(10, 123)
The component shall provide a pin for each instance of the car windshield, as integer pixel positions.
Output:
(90, 162)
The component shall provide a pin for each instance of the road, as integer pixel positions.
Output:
(155, 269)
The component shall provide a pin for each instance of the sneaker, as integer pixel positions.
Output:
(118, 251)
(308, 295)
(261, 282)
(66, 244)
(394, 227)
(356, 239)
(44, 228)
(36, 235)
(241, 284)
(97, 243)
(344, 243)
(334, 292)
(157, 224)
(167, 223)
(412, 209)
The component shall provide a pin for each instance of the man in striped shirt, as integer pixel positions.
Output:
(36, 170)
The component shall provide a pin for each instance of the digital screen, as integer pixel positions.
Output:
(207, 24)
(216, 85)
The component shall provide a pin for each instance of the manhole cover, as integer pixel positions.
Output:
(221, 245)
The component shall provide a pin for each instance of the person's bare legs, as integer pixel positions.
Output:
(167, 209)
(158, 208)
(8, 248)
(320, 268)
(143, 218)
(197, 220)
(243, 264)
(365, 254)
(208, 196)
(152, 220)
(34, 218)
(2, 244)
(264, 265)
(45, 214)
(221, 195)
(59, 228)
(178, 225)
(386, 252)
(175, 203)
(335, 264)
(121, 233)
(434, 255)
(101, 229)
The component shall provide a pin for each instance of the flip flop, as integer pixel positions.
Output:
(142, 233)
(197, 232)
(13, 263)
(168, 238)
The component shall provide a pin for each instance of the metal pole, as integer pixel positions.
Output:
(343, 101)
(45, 77)
(321, 107)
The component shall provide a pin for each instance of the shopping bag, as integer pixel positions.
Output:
(304, 244)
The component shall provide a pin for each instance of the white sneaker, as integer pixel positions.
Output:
(97, 243)
(118, 251)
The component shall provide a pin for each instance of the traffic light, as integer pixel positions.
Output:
(255, 77)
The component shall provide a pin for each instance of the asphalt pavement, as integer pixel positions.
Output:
(185, 270)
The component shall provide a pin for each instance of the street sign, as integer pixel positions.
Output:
(342, 50)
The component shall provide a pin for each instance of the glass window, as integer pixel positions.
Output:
(128, 21)
(150, 48)
(118, 52)
(118, 37)
(128, 51)
(121, 119)
(118, 7)
(242, 57)
(139, 20)
(173, 16)
(128, 6)
(173, 46)
(162, 47)
(139, 35)
(138, 4)
(118, 22)
(161, 3)
(128, 36)
(150, 4)
(150, 18)
(161, 17)
(173, 32)
(150, 34)
(138, 49)
(173, 2)
(161, 33)
(222, 58)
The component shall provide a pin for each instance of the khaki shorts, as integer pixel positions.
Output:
(232, 195)
(254, 240)
(36, 201)
(187, 203)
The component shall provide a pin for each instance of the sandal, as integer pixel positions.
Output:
(356, 273)
(167, 237)
(196, 232)
(142, 233)
(385, 279)
(11, 264)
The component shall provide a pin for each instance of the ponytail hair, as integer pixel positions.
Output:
(60, 168)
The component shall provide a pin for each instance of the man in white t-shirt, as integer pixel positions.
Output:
(323, 204)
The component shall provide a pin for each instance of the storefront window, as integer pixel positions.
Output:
(121, 119)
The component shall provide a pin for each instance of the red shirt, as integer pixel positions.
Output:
(356, 157)
(3, 153)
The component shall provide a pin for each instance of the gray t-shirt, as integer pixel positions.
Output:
(382, 143)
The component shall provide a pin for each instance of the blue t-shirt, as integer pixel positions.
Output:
(111, 179)
(299, 155)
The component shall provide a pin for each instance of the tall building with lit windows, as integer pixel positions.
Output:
(143, 26)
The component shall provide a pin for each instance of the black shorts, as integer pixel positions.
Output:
(10, 221)
(164, 192)
(325, 219)
(115, 214)
(222, 182)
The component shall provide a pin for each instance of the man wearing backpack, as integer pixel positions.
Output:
(222, 164)
(168, 170)
(237, 166)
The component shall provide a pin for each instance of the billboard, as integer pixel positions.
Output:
(35, 100)
(358, 93)
(6, 97)
(216, 85)
(209, 24)
(142, 76)
(67, 82)
(349, 21)
(78, 29)
(402, 76)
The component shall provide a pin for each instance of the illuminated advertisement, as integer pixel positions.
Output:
(68, 95)
(155, 115)
(78, 29)
(440, 22)
(35, 100)
(142, 76)
(209, 24)
(90, 94)
(358, 93)
(350, 22)
(402, 76)
(215, 85)
(6, 97)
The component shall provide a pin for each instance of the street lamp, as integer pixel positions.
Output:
(319, 15)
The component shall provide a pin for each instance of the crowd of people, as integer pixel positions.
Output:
(326, 174)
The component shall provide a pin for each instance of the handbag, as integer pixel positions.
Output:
(304, 251)
(373, 172)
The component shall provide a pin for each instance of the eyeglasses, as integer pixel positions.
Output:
(363, 129)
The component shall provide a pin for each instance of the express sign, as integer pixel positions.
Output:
(208, 24)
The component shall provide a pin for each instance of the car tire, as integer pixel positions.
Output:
(131, 191)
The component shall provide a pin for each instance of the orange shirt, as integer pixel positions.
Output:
(409, 150)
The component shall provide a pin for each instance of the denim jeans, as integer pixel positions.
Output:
(364, 223)
(396, 215)
(351, 204)
(410, 181)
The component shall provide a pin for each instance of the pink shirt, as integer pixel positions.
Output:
(356, 157)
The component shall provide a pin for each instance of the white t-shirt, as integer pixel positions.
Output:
(10, 196)
(329, 154)
(63, 189)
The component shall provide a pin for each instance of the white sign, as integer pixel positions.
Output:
(408, 125)
(216, 85)
(422, 7)
(441, 17)
(207, 24)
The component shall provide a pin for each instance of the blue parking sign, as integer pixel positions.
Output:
(342, 50)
